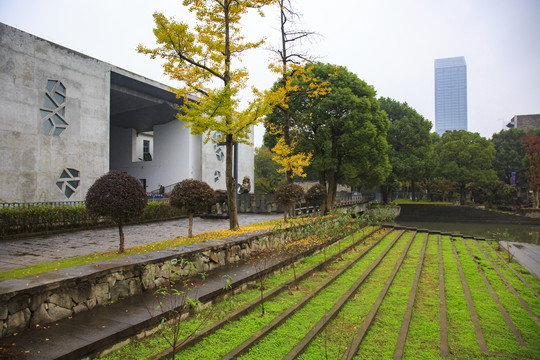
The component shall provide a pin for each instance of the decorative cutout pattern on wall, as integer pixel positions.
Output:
(69, 181)
(216, 136)
(217, 175)
(53, 111)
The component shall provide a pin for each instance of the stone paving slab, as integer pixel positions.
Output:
(526, 254)
(16, 253)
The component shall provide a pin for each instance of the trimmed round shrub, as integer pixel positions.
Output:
(287, 195)
(117, 196)
(316, 195)
(194, 197)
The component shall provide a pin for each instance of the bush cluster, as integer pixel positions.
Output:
(316, 195)
(33, 219)
(193, 196)
(288, 194)
(118, 196)
(160, 211)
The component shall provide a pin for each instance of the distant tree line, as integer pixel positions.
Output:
(322, 121)
(365, 142)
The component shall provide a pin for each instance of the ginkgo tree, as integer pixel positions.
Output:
(201, 58)
(290, 66)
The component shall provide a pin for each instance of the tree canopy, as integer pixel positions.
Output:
(117, 196)
(344, 129)
(409, 143)
(291, 68)
(194, 196)
(267, 175)
(531, 146)
(509, 155)
(201, 58)
(466, 158)
(287, 195)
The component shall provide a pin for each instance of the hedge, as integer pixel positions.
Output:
(33, 219)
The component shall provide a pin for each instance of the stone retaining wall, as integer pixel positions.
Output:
(48, 297)
(451, 213)
(532, 213)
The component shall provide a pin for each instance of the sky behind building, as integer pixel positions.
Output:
(390, 44)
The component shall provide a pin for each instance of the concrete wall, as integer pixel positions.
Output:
(176, 155)
(138, 146)
(213, 162)
(36, 165)
(526, 122)
(466, 214)
(31, 162)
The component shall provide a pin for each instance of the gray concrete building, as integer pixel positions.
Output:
(525, 122)
(67, 118)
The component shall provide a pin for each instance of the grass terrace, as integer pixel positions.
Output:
(376, 294)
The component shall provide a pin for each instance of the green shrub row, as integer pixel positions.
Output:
(32, 219)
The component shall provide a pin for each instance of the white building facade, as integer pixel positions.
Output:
(66, 119)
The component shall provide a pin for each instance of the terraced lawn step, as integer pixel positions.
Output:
(398, 294)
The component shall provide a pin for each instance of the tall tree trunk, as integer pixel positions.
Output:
(231, 184)
(230, 181)
(287, 138)
(322, 178)
(285, 75)
(385, 190)
(334, 190)
(333, 174)
(322, 181)
(190, 227)
(121, 234)
(413, 190)
(332, 186)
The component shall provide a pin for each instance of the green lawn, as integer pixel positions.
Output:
(491, 298)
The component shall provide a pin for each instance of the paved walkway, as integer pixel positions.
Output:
(40, 249)
(526, 254)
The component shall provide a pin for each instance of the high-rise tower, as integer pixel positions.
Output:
(450, 94)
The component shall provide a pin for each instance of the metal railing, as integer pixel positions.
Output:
(150, 197)
(40, 203)
(341, 199)
(166, 190)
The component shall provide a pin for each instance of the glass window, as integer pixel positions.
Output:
(53, 111)
(146, 146)
(69, 181)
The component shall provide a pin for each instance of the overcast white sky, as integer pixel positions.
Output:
(391, 44)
